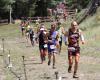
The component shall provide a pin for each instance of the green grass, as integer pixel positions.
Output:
(91, 22)
(9, 30)
(92, 35)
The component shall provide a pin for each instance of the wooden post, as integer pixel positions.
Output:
(56, 73)
(9, 56)
(3, 45)
(24, 68)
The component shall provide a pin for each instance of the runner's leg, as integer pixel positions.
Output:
(76, 65)
(60, 45)
(41, 55)
(49, 57)
(54, 55)
(44, 54)
(70, 59)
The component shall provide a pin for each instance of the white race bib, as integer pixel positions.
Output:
(45, 46)
(59, 39)
(33, 39)
(71, 48)
(52, 46)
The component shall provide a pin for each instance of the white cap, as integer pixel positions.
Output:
(41, 29)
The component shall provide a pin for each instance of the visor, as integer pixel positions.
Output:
(41, 29)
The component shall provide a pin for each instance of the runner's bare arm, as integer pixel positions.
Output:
(63, 31)
(57, 36)
(81, 37)
(65, 37)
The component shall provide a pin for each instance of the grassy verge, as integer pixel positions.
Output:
(92, 28)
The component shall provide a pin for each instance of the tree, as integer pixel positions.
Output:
(24, 8)
(42, 5)
(31, 8)
(78, 3)
(32, 5)
(41, 9)
(5, 6)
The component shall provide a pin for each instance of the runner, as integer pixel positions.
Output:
(61, 31)
(22, 25)
(52, 39)
(37, 25)
(74, 33)
(32, 36)
(42, 43)
(27, 31)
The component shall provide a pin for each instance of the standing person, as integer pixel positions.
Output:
(74, 34)
(52, 39)
(61, 31)
(42, 43)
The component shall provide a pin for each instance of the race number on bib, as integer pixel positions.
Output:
(52, 46)
(45, 46)
(71, 48)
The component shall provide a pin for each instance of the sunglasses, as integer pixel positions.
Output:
(74, 25)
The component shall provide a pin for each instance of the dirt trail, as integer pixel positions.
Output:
(89, 67)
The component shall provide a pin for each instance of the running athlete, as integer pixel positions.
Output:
(31, 35)
(37, 25)
(22, 25)
(27, 31)
(42, 43)
(74, 34)
(61, 31)
(52, 39)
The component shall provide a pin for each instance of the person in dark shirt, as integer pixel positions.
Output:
(43, 43)
(22, 25)
(32, 36)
